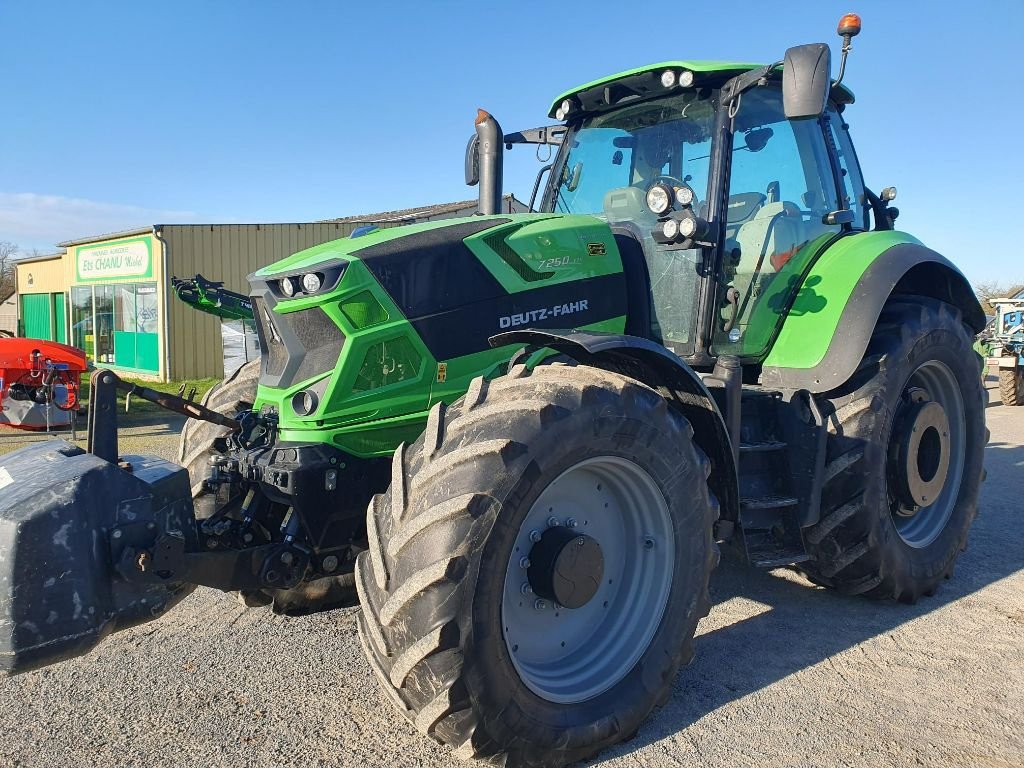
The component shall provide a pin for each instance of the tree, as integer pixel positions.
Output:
(7, 277)
(993, 290)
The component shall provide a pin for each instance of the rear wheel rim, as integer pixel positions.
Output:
(918, 527)
(572, 655)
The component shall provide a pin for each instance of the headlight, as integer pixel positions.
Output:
(321, 278)
(311, 282)
(304, 403)
(668, 78)
(687, 226)
(686, 78)
(670, 229)
(684, 196)
(659, 198)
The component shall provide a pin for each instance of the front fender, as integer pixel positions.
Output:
(826, 331)
(661, 370)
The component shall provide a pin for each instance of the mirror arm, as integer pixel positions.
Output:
(746, 81)
(549, 134)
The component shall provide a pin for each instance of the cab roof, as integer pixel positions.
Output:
(644, 82)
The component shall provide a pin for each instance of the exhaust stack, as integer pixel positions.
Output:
(489, 154)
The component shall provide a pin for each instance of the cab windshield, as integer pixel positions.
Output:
(606, 167)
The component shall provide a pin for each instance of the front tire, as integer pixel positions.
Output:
(1011, 386)
(198, 441)
(560, 461)
(904, 458)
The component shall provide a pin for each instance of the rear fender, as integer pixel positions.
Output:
(827, 329)
(661, 370)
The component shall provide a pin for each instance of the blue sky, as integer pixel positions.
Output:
(120, 114)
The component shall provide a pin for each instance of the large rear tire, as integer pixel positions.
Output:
(1011, 386)
(904, 458)
(564, 486)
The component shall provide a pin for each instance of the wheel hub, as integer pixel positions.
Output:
(566, 567)
(588, 579)
(922, 455)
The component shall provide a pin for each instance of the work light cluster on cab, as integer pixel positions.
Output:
(671, 78)
(566, 108)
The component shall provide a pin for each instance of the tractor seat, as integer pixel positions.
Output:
(767, 241)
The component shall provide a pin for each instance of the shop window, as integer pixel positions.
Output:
(117, 324)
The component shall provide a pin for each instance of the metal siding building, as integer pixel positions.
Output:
(225, 252)
(111, 295)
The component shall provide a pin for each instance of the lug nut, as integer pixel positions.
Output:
(540, 604)
(571, 523)
(553, 522)
(526, 589)
(524, 563)
(534, 536)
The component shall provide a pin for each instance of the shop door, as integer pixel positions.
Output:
(135, 335)
(35, 315)
(60, 321)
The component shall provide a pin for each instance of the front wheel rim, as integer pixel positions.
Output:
(571, 655)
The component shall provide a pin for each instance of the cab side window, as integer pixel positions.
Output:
(780, 186)
(852, 183)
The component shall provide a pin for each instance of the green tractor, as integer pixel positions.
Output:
(523, 438)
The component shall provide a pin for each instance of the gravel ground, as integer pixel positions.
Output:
(786, 674)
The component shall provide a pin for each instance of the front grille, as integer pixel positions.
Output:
(274, 354)
(295, 346)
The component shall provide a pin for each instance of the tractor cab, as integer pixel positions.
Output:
(720, 189)
(724, 199)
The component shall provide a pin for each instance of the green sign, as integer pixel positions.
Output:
(119, 260)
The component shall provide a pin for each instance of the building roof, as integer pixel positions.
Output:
(108, 236)
(34, 259)
(406, 214)
(422, 212)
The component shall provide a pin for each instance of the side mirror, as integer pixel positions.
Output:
(806, 80)
(473, 161)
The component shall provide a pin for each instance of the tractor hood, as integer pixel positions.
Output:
(383, 324)
(347, 248)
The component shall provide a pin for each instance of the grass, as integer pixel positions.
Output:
(140, 407)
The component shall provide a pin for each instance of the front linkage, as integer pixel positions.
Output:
(128, 542)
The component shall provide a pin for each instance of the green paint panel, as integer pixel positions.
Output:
(124, 349)
(147, 351)
(59, 318)
(35, 315)
(547, 251)
(139, 351)
(824, 294)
